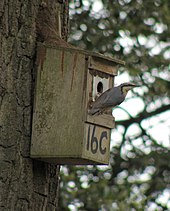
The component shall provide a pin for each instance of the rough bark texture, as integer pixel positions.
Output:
(25, 184)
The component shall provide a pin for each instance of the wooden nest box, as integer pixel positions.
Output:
(68, 81)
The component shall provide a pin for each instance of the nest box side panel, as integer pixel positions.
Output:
(58, 115)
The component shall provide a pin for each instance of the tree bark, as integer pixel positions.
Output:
(25, 184)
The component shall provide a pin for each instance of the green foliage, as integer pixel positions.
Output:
(137, 32)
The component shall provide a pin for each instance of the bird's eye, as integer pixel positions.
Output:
(100, 87)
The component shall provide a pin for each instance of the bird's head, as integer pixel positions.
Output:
(125, 87)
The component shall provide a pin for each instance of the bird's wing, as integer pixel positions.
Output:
(115, 97)
(102, 100)
(109, 98)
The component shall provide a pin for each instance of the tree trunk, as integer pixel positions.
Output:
(25, 184)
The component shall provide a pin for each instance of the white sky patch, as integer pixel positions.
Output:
(120, 114)
(155, 50)
(123, 15)
(138, 143)
(126, 42)
(167, 54)
(128, 108)
(151, 41)
(72, 207)
(144, 177)
(97, 6)
(142, 39)
(141, 90)
(164, 198)
(149, 21)
(116, 136)
(164, 74)
(161, 133)
(71, 184)
(159, 28)
(122, 78)
(86, 3)
(133, 130)
(83, 27)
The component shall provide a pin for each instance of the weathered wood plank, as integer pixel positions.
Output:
(58, 113)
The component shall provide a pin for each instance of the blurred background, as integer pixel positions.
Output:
(138, 177)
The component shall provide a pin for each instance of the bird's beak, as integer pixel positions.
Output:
(133, 86)
(136, 85)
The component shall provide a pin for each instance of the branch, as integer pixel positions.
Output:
(143, 115)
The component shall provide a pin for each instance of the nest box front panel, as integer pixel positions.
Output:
(97, 143)
(100, 77)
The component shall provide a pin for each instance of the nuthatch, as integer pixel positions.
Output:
(111, 98)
